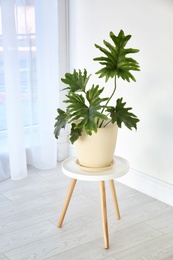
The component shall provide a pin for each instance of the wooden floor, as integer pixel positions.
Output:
(30, 208)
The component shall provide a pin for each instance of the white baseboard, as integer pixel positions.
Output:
(148, 185)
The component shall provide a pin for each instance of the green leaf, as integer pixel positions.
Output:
(115, 62)
(76, 107)
(120, 114)
(93, 95)
(76, 81)
(86, 115)
(60, 122)
(76, 132)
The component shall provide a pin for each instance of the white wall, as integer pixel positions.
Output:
(150, 22)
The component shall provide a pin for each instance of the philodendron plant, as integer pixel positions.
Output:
(87, 109)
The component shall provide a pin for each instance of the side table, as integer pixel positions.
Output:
(119, 168)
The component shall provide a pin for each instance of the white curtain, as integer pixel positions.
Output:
(28, 85)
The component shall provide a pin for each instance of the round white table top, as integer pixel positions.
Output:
(120, 167)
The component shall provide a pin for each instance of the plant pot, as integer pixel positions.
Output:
(96, 151)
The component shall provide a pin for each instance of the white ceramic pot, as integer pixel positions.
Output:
(97, 150)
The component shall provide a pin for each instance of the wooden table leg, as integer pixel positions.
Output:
(104, 213)
(66, 203)
(114, 197)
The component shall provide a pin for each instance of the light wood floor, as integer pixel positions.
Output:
(30, 208)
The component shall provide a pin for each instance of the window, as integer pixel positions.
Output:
(26, 52)
(29, 83)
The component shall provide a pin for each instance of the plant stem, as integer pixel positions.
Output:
(107, 123)
(115, 86)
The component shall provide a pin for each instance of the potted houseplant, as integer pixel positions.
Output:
(89, 112)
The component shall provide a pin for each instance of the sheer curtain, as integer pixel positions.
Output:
(28, 85)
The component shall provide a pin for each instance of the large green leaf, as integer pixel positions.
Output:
(60, 122)
(93, 95)
(76, 131)
(76, 81)
(86, 115)
(120, 114)
(76, 107)
(115, 62)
